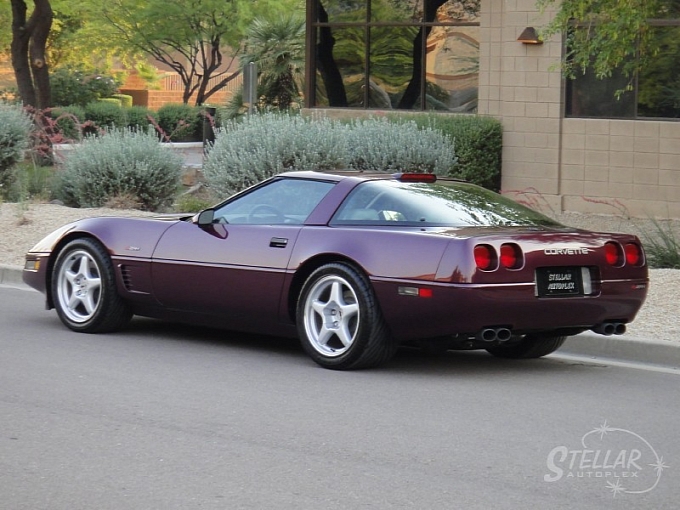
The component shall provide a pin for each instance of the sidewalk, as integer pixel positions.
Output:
(588, 344)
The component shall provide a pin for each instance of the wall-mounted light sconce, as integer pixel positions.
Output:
(529, 36)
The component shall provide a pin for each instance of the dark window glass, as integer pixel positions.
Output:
(452, 70)
(344, 11)
(588, 96)
(659, 81)
(654, 92)
(341, 66)
(391, 65)
(444, 203)
(396, 10)
(670, 9)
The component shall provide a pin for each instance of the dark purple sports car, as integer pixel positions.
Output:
(354, 264)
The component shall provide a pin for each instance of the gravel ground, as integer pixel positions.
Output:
(22, 225)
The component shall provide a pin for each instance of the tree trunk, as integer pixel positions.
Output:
(328, 68)
(413, 90)
(19, 50)
(42, 14)
(29, 38)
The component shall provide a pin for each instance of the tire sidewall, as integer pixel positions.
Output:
(105, 269)
(367, 315)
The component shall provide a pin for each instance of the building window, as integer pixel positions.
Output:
(393, 54)
(655, 89)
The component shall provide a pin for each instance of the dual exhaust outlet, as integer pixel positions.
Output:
(610, 328)
(494, 335)
(504, 334)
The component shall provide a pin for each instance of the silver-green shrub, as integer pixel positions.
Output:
(382, 146)
(122, 163)
(15, 129)
(261, 146)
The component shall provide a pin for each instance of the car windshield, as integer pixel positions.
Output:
(444, 203)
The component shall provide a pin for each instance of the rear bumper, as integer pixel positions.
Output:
(466, 309)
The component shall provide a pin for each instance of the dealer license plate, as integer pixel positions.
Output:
(559, 281)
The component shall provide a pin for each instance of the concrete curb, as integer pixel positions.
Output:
(623, 348)
(11, 275)
(618, 348)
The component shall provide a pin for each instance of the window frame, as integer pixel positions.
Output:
(367, 24)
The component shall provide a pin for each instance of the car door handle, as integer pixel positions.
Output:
(278, 242)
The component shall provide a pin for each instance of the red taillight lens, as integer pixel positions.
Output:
(511, 256)
(633, 254)
(485, 257)
(612, 252)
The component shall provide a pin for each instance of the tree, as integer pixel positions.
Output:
(29, 40)
(198, 39)
(607, 36)
(278, 47)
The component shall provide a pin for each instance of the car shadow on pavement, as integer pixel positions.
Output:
(407, 360)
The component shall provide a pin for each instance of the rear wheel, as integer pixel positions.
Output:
(84, 289)
(531, 346)
(339, 322)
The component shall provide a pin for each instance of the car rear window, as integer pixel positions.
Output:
(444, 203)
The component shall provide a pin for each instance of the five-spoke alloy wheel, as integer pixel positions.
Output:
(84, 289)
(339, 321)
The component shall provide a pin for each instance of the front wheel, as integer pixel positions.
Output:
(531, 346)
(339, 321)
(84, 289)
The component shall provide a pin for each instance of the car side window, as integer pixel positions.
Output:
(282, 201)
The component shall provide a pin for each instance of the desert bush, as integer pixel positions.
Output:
(120, 163)
(180, 122)
(662, 246)
(106, 114)
(380, 145)
(15, 129)
(72, 86)
(260, 146)
(478, 142)
(33, 182)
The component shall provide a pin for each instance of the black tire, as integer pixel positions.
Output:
(531, 346)
(359, 338)
(84, 289)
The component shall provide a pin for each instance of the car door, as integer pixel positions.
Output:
(237, 273)
(235, 266)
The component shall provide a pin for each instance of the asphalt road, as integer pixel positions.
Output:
(167, 417)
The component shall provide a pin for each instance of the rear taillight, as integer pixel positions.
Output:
(613, 253)
(511, 256)
(633, 254)
(485, 257)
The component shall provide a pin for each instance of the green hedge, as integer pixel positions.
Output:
(106, 114)
(479, 144)
(180, 122)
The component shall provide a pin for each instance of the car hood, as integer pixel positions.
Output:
(135, 237)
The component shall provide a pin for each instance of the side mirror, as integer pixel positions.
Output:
(206, 217)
